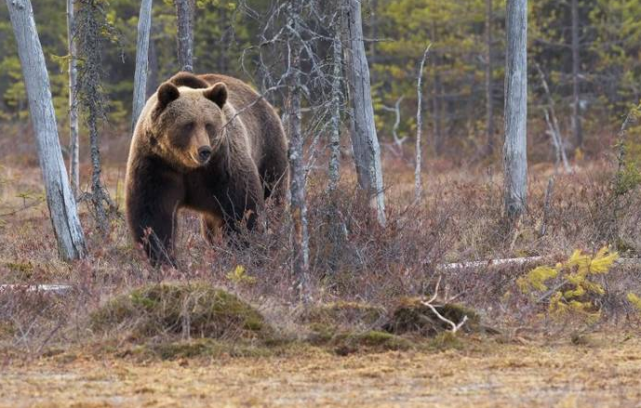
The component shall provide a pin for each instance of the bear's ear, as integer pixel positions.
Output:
(217, 93)
(167, 93)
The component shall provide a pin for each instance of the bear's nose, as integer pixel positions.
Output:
(204, 153)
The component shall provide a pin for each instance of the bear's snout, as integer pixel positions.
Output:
(204, 153)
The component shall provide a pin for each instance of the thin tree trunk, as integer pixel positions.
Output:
(296, 165)
(576, 66)
(335, 136)
(74, 148)
(515, 147)
(142, 61)
(99, 196)
(367, 151)
(184, 15)
(91, 24)
(336, 226)
(489, 83)
(418, 186)
(60, 200)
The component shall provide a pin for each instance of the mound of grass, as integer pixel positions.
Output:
(412, 316)
(189, 310)
(349, 342)
(197, 348)
(350, 314)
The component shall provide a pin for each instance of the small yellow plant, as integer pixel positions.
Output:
(635, 300)
(239, 276)
(573, 283)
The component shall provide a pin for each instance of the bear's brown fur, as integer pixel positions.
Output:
(208, 143)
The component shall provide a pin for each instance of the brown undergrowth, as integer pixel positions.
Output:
(360, 273)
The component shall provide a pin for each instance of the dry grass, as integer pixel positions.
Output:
(338, 356)
(605, 373)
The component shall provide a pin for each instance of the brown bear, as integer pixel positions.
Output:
(208, 143)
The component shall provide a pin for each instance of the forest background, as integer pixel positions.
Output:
(456, 92)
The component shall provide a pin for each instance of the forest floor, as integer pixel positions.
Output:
(603, 373)
(52, 356)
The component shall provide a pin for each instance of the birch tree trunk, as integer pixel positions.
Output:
(74, 145)
(142, 61)
(367, 151)
(515, 147)
(60, 200)
(298, 206)
(418, 186)
(489, 83)
(184, 15)
(576, 66)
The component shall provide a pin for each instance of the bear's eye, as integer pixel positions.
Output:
(209, 128)
(188, 127)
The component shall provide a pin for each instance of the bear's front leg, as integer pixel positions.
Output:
(153, 197)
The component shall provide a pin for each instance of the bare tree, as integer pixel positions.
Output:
(184, 15)
(335, 135)
(367, 151)
(92, 26)
(515, 147)
(296, 154)
(142, 60)
(60, 200)
(489, 83)
(418, 186)
(576, 66)
(74, 145)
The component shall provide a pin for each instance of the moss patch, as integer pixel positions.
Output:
(190, 310)
(197, 349)
(411, 316)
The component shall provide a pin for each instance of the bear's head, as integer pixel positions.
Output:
(187, 124)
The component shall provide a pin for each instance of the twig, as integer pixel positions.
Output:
(454, 326)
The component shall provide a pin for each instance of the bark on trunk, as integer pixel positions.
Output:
(489, 83)
(576, 65)
(60, 200)
(418, 186)
(335, 136)
(142, 61)
(515, 148)
(185, 34)
(367, 152)
(297, 166)
(74, 145)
